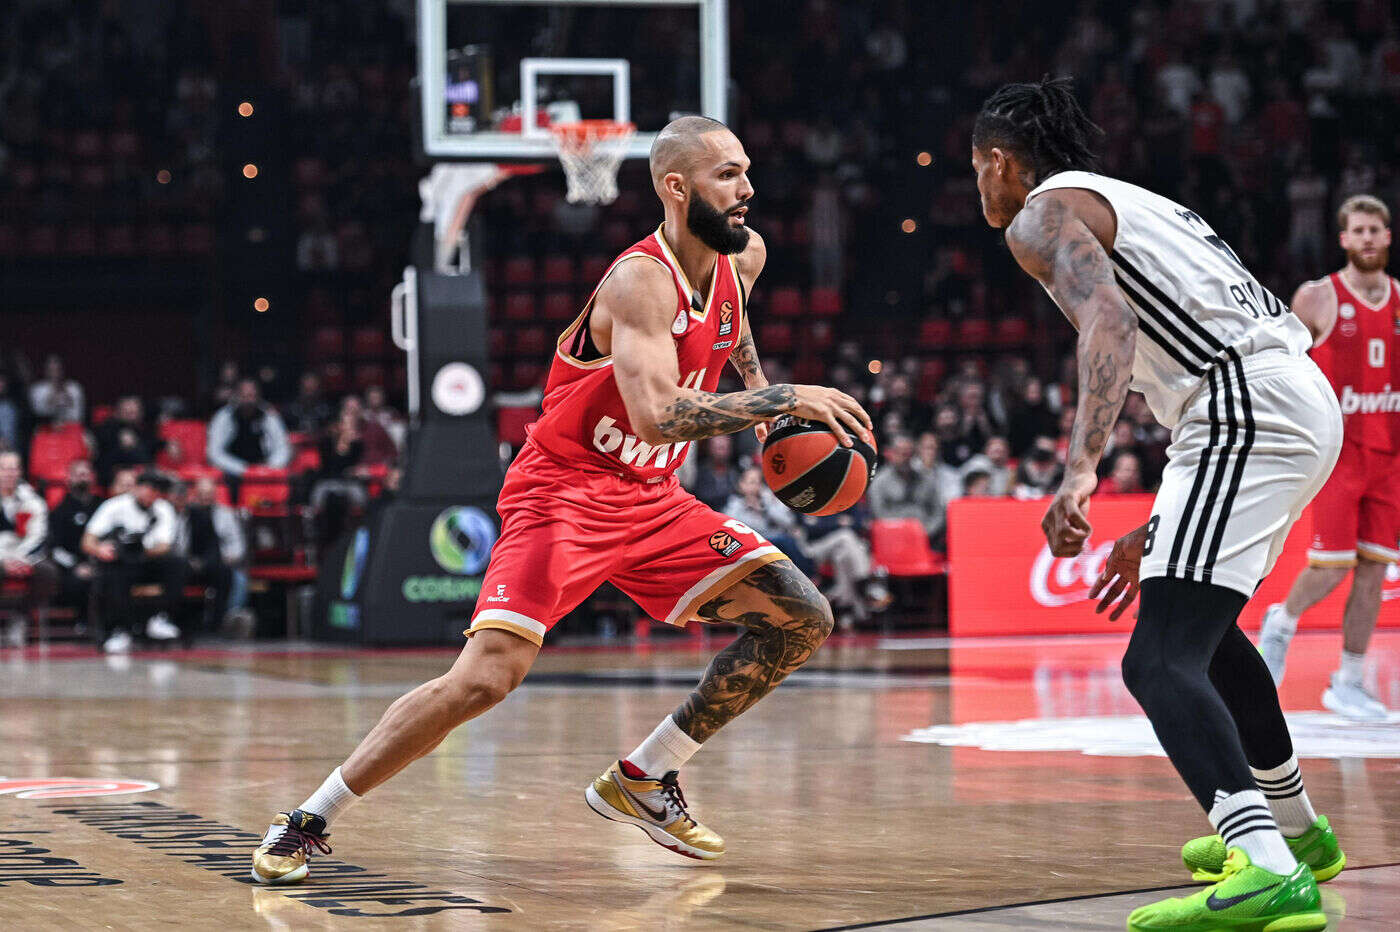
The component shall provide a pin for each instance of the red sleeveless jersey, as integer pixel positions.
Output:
(1358, 358)
(584, 422)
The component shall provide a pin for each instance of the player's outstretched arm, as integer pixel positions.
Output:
(1055, 245)
(1315, 303)
(641, 303)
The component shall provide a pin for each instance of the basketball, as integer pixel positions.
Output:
(810, 471)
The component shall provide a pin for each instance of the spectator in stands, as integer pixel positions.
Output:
(130, 536)
(11, 419)
(378, 411)
(975, 426)
(753, 504)
(839, 541)
(339, 486)
(977, 483)
(379, 447)
(209, 537)
(994, 460)
(309, 411)
(123, 481)
(124, 439)
(927, 458)
(899, 398)
(226, 388)
(901, 491)
(716, 479)
(73, 568)
(1039, 472)
(57, 399)
(246, 433)
(1029, 417)
(1125, 478)
(23, 527)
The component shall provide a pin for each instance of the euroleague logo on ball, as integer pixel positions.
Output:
(778, 463)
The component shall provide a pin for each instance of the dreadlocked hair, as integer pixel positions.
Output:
(1042, 123)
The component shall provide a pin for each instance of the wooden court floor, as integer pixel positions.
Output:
(993, 817)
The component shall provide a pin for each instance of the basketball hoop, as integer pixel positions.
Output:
(591, 152)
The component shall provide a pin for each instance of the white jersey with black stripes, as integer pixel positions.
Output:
(1198, 307)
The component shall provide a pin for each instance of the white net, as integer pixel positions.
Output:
(591, 152)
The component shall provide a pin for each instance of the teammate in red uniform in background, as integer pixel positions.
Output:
(593, 497)
(1354, 316)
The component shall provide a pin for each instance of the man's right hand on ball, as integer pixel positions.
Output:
(834, 408)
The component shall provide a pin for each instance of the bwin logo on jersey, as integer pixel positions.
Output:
(461, 540)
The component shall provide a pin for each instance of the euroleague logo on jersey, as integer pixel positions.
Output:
(724, 543)
(726, 319)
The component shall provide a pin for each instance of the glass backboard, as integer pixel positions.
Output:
(494, 74)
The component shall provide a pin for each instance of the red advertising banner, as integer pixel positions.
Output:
(1002, 578)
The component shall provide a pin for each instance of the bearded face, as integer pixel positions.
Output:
(1366, 241)
(717, 228)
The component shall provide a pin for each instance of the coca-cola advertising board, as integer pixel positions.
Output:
(1002, 578)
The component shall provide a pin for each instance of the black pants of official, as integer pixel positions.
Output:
(117, 608)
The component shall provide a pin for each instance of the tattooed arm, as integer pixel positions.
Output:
(637, 304)
(1059, 239)
(745, 356)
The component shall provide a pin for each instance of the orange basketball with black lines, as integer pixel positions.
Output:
(810, 471)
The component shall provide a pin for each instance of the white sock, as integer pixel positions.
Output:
(333, 798)
(1352, 667)
(1244, 821)
(664, 750)
(1282, 786)
(1287, 624)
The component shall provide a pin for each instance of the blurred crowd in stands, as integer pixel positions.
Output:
(882, 277)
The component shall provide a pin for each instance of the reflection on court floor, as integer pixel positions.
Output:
(137, 789)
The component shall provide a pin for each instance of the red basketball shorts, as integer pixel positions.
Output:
(564, 532)
(1358, 510)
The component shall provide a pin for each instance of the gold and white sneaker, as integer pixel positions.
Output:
(657, 807)
(282, 856)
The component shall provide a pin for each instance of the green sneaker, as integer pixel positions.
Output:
(1248, 899)
(1204, 857)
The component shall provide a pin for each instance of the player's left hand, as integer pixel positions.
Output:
(1066, 524)
(1119, 579)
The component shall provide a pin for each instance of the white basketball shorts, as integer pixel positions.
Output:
(1256, 443)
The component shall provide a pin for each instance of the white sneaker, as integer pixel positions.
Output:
(118, 643)
(1274, 638)
(159, 628)
(1351, 700)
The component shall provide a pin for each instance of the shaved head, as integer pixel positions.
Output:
(678, 143)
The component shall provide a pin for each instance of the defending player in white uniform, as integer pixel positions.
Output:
(1165, 307)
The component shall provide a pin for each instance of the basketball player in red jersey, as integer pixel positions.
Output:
(1354, 316)
(593, 497)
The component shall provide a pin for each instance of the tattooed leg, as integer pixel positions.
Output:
(787, 620)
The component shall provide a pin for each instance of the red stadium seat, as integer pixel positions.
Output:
(54, 493)
(785, 302)
(902, 548)
(775, 337)
(809, 370)
(931, 373)
(528, 375)
(520, 271)
(366, 374)
(265, 490)
(935, 334)
(520, 306)
(368, 343)
(820, 336)
(560, 306)
(52, 449)
(825, 302)
(496, 340)
(192, 436)
(592, 268)
(974, 332)
(1013, 331)
(559, 270)
(511, 423)
(100, 414)
(327, 343)
(531, 342)
(333, 378)
(307, 458)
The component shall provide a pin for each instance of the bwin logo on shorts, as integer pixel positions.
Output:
(461, 540)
